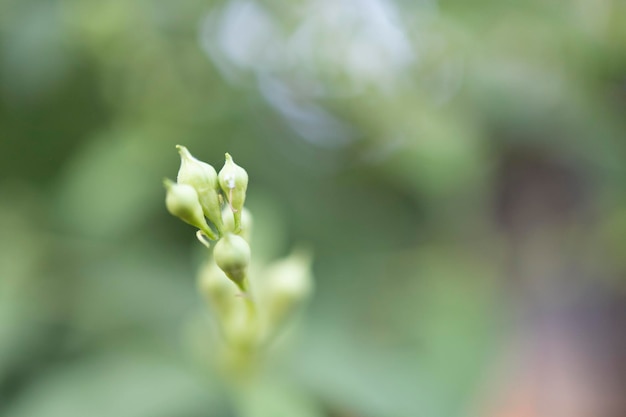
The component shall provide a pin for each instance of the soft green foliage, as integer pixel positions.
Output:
(382, 142)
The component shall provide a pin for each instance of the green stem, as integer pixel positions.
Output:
(209, 233)
(250, 309)
(246, 294)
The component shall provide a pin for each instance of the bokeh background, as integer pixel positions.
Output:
(458, 168)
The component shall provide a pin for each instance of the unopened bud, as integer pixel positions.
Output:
(232, 255)
(289, 283)
(203, 178)
(233, 180)
(182, 202)
(245, 229)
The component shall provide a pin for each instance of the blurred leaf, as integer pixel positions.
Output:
(121, 384)
(348, 375)
(272, 398)
(112, 184)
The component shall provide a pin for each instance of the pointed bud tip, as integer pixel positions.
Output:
(183, 151)
(168, 183)
(228, 157)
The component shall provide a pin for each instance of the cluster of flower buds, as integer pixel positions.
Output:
(198, 197)
(214, 204)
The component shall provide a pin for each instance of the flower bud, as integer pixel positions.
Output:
(288, 283)
(245, 229)
(233, 180)
(232, 255)
(203, 178)
(182, 202)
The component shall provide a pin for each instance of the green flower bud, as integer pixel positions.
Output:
(233, 180)
(203, 178)
(245, 229)
(182, 202)
(232, 255)
(288, 283)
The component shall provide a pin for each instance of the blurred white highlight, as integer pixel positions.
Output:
(333, 49)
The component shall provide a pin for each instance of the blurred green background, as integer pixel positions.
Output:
(457, 167)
